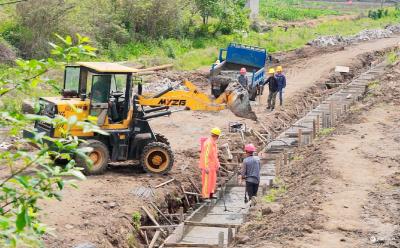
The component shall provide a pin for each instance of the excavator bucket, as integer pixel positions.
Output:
(237, 100)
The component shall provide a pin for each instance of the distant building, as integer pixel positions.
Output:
(254, 6)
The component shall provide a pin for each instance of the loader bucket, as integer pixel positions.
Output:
(237, 100)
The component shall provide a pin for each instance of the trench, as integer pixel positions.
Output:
(216, 223)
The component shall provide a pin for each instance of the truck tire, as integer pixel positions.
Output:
(157, 158)
(99, 156)
(161, 138)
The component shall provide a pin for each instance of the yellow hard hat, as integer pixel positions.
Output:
(216, 131)
(271, 70)
(279, 68)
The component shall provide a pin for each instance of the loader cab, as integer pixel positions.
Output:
(107, 85)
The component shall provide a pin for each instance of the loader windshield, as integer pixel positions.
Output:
(71, 78)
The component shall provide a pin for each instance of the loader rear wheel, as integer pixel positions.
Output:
(99, 157)
(157, 158)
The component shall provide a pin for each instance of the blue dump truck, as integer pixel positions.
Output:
(231, 59)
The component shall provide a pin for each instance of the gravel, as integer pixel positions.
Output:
(365, 35)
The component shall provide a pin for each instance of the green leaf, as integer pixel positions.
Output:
(78, 174)
(68, 40)
(21, 219)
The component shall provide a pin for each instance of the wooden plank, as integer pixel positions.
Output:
(196, 188)
(157, 227)
(189, 245)
(204, 224)
(164, 183)
(154, 240)
(160, 212)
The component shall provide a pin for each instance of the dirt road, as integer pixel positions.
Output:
(301, 74)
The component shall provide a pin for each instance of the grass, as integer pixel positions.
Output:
(392, 57)
(326, 131)
(292, 10)
(273, 194)
(189, 54)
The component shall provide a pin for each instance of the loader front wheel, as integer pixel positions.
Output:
(99, 157)
(157, 158)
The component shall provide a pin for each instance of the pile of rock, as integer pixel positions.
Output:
(365, 35)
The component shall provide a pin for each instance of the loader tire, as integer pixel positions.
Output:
(99, 156)
(157, 158)
(161, 138)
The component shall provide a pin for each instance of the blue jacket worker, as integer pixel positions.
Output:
(281, 80)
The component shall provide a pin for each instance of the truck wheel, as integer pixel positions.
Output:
(157, 158)
(161, 138)
(99, 156)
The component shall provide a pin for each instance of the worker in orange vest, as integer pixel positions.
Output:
(209, 164)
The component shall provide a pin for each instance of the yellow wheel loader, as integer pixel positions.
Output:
(104, 94)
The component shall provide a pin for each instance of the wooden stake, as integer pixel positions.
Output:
(323, 120)
(161, 213)
(230, 235)
(221, 239)
(314, 126)
(318, 120)
(164, 183)
(285, 157)
(154, 240)
(181, 216)
(300, 133)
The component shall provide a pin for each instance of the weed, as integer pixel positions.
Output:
(326, 131)
(297, 158)
(136, 216)
(373, 85)
(274, 193)
(392, 58)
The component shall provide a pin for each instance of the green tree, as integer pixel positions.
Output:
(34, 176)
(206, 8)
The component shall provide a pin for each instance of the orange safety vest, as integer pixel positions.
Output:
(209, 155)
(209, 160)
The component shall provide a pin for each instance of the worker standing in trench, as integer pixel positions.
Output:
(281, 79)
(273, 89)
(209, 164)
(251, 172)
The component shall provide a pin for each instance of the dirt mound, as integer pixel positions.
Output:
(318, 174)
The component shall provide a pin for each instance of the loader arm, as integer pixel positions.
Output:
(192, 99)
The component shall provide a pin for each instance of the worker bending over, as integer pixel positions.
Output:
(273, 88)
(209, 164)
(281, 79)
(251, 171)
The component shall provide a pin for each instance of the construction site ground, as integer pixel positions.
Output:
(100, 210)
(342, 191)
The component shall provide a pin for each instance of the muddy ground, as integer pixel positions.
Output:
(344, 190)
(100, 211)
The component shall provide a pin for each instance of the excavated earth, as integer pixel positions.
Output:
(342, 191)
(100, 211)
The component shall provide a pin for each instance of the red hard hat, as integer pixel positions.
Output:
(250, 148)
(243, 70)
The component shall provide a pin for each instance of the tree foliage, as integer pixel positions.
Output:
(110, 22)
(33, 175)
